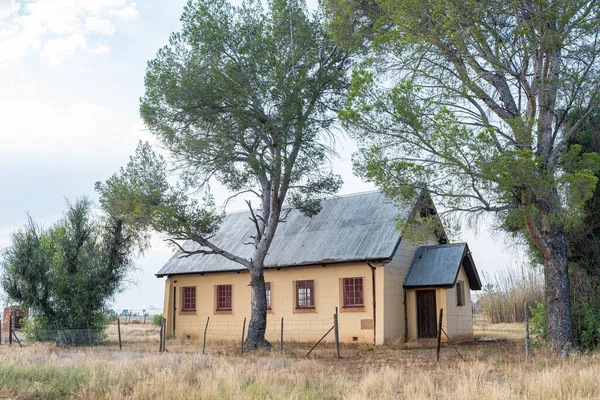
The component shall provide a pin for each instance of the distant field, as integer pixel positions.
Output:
(493, 370)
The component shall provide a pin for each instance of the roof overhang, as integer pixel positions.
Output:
(278, 267)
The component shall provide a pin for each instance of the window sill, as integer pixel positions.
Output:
(191, 312)
(300, 310)
(353, 309)
(218, 312)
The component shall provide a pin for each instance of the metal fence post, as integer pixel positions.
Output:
(281, 339)
(119, 331)
(337, 333)
(160, 344)
(439, 336)
(243, 332)
(205, 329)
(9, 328)
(526, 332)
(164, 332)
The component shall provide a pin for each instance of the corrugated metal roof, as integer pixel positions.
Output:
(348, 228)
(439, 266)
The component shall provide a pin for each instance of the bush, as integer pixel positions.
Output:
(537, 322)
(157, 319)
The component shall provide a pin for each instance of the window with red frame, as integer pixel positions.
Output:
(223, 297)
(305, 294)
(189, 298)
(353, 292)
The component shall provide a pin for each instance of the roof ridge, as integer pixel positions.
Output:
(332, 197)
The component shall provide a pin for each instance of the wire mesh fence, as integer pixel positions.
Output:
(285, 336)
(316, 337)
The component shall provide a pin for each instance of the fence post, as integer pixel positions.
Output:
(9, 328)
(205, 329)
(337, 333)
(439, 336)
(516, 320)
(0, 332)
(144, 319)
(160, 344)
(119, 331)
(164, 333)
(243, 332)
(526, 311)
(281, 339)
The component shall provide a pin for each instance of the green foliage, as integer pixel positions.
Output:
(66, 274)
(157, 319)
(537, 322)
(242, 95)
(428, 112)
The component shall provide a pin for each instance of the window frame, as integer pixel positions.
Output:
(218, 307)
(460, 294)
(345, 284)
(185, 292)
(268, 293)
(311, 287)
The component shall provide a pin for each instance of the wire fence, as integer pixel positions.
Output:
(318, 338)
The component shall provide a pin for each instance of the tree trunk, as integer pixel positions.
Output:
(559, 323)
(258, 319)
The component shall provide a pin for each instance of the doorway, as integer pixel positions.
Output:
(426, 314)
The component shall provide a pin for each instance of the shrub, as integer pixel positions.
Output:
(157, 319)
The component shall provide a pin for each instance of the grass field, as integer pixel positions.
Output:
(494, 370)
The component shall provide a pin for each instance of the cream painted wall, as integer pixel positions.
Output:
(393, 305)
(297, 326)
(460, 318)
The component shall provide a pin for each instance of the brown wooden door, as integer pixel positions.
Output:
(426, 326)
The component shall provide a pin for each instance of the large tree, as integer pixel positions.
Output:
(471, 98)
(246, 97)
(67, 274)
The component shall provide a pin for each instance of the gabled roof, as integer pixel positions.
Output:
(438, 266)
(359, 227)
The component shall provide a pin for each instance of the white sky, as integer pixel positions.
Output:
(72, 74)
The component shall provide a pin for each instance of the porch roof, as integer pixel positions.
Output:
(438, 266)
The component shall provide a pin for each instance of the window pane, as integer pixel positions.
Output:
(189, 298)
(268, 290)
(224, 297)
(305, 294)
(353, 292)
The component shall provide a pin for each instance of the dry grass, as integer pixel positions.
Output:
(492, 371)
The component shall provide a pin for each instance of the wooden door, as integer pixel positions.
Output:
(426, 318)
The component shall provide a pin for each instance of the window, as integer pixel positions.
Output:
(353, 292)
(268, 290)
(223, 297)
(189, 299)
(305, 294)
(460, 293)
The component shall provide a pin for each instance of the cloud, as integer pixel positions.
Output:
(129, 12)
(99, 25)
(7, 7)
(56, 50)
(57, 28)
(39, 130)
(100, 49)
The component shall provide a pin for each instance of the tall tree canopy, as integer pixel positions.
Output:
(471, 98)
(247, 97)
(68, 273)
